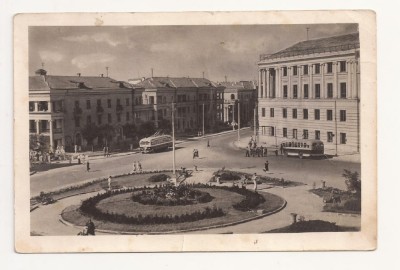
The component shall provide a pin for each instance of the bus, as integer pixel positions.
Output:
(155, 143)
(303, 148)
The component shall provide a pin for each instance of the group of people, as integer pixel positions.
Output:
(106, 151)
(253, 150)
(137, 166)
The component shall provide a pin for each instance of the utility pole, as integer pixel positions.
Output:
(203, 121)
(107, 71)
(203, 74)
(308, 28)
(152, 72)
(238, 121)
(233, 116)
(173, 143)
(255, 123)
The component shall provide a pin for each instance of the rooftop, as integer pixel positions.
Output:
(321, 45)
(170, 82)
(244, 85)
(47, 82)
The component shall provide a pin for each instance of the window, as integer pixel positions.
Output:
(151, 100)
(294, 70)
(294, 113)
(305, 113)
(295, 91)
(77, 121)
(329, 115)
(108, 103)
(285, 132)
(272, 112)
(343, 90)
(88, 120)
(330, 136)
(127, 116)
(99, 119)
(88, 105)
(109, 118)
(317, 68)
(329, 67)
(306, 91)
(127, 102)
(343, 138)
(284, 112)
(31, 106)
(317, 90)
(317, 135)
(119, 117)
(305, 133)
(342, 66)
(285, 71)
(118, 102)
(99, 102)
(294, 133)
(272, 130)
(285, 91)
(330, 90)
(305, 69)
(342, 115)
(263, 112)
(316, 114)
(76, 103)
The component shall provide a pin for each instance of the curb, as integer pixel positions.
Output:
(180, 231)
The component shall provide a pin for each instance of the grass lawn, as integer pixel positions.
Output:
(123, 204)
(349, 203)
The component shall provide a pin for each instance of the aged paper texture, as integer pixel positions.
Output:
(195, 131)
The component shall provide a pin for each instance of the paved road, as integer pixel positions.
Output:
(221, 152)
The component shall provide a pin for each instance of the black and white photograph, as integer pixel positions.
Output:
(198, 130)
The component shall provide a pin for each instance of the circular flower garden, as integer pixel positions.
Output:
(166, 208)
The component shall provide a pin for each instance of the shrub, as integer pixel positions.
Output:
(158, 178)
(352, 205)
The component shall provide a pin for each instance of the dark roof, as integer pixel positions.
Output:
(74, 82)
(168, 82)
(336, 43)
(244, 85)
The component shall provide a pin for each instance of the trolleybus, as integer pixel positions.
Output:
(303, 148)
(155, 143)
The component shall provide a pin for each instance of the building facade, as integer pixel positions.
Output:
(241, 94)
(311, 90)
(195, 99)
(61, 107)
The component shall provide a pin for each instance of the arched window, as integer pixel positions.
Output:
(232, 96)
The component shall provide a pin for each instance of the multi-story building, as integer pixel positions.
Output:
(243, 94)
(312, 90)
(60, 107)
(195, 99)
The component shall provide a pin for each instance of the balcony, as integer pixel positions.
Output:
(77, 111)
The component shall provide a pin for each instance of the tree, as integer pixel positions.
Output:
(165, 126)
(129, 130)
(352, 181)
(39, 143)
(146, 129)
(107, 131)
(90, 132)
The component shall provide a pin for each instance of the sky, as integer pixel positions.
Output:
(176, 51)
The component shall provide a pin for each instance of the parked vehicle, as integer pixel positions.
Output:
(303, 148)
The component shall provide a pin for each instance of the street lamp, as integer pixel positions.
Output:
(238, 120)
(173, 143)
(203, 121)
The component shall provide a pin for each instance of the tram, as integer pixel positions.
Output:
(303, 148)
(155, 143)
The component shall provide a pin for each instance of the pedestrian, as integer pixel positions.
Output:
(276, 152)
(266, 166)
(79, 159)
(87, 166)
(247, 152)
(208, 143)
(90, 227)
(134, 166)
(195, 168)
(104, 151)
(140, 166)
(262, 151)
(281, 149)
(109, 183)
(258, 152)
(254, 178)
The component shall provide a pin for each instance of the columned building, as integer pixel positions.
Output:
(311, 90)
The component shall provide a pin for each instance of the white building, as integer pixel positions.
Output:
(312, 90)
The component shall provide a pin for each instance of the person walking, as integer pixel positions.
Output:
(134, 166)
(254, 179)
(262, 151)
(266, 166)
(90, 228)
(247, 152)
(281, 148)
(109, 183)
(87, 166)
(140, 166)
(104, 151)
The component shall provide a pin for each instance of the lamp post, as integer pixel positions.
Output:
(173, 143)
(203, 121)
(233, 116)
(238, 120)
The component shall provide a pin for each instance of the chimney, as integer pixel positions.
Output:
(226, 78)
(102, 75)
(152, 71)
(79, 74)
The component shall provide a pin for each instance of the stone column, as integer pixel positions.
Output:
(349, 79)
(310, 82)
(299, 87)
(354, 80)
(322, 87)
(49, 106)
(267, 89)
(51, 134)
(263, 83)
(335, 80)
(259, 82)
(37, 126)
(290, 93)
(276, 82)
(36, 106)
